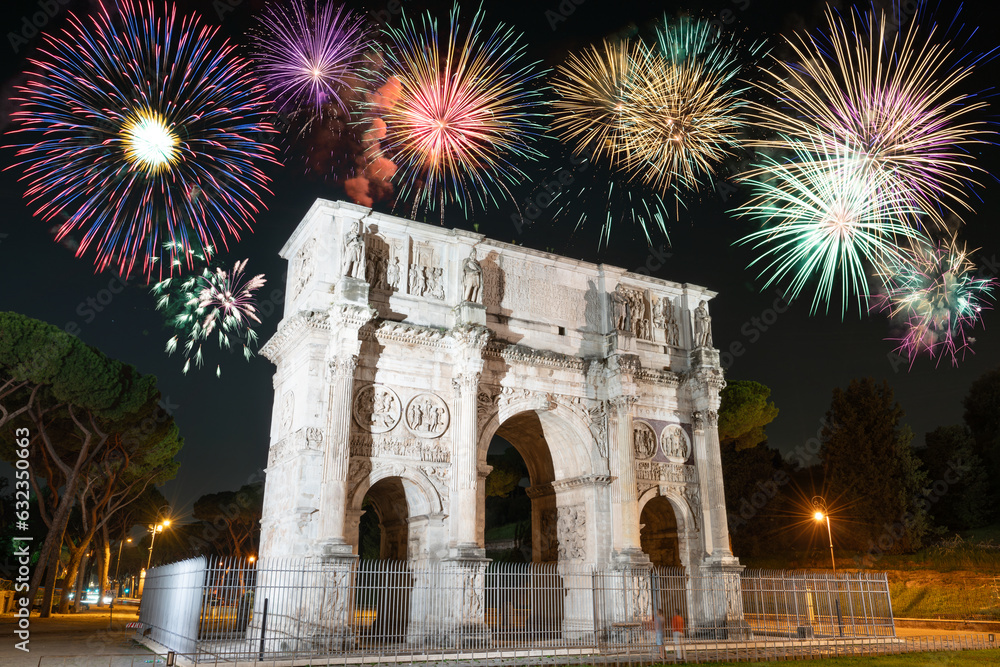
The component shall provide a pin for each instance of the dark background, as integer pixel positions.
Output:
(225, 421)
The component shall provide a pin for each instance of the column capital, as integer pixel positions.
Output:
(622, 403)
(702, 418)
(341, 367)
(466, 381)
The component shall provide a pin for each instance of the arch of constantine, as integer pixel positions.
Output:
(405, 348)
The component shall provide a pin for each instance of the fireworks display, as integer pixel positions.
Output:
(692, 109)
(146, 137)
(664, 114)
(893, 98)
(309, 54)
(213, 304)
(599, 102)
(933, 292)
(460, 109)
(829, 218)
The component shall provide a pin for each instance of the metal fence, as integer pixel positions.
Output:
(291, 608)
(763, 650)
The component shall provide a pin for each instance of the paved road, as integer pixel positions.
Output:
(73, 640)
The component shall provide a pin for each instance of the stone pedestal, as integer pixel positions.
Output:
(317, 620)
(448, 605)
(717, 612)
(469, 312)
(352, 290)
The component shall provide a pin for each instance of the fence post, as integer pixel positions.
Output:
(263, 629)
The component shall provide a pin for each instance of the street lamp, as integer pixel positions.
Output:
(820, 513)
(154, 529)
(118, 564)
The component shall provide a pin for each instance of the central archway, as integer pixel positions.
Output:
(556, 446)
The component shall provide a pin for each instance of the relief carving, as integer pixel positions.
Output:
(643, 440)
(654, 471)
(674, 443)
(377, 408)
(287, 412)
(571, 528)
(427, 415)
(665, 318)
(305, 260)
(367, 446)
(426, 278)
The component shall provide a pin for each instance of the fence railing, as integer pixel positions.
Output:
(694, 652)
(288, 608)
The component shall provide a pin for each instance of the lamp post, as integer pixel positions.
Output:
(154, 529)
(820, 513)
(118, 564)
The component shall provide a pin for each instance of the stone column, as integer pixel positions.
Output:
(469, 341)
(621, 459)
(464, 469)
(706, 431)
(333, 493)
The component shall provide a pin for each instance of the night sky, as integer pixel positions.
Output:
(225, 422)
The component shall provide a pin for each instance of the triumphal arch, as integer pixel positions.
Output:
(405, 348)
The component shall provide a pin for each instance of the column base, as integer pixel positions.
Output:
(334, 550)
(467, 551)
(630, 557)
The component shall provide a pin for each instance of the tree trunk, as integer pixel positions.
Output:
(51, 570)
(60, 518)
(105, 565)
(72, 570)
(80, 590)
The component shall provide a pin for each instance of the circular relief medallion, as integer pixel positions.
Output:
(675, 444)
(644, 440)
(377, 408)
(427, 415)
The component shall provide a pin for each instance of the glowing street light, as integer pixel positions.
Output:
(154, 529)
(820, 514)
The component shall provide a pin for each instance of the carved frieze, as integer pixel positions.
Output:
(303, 440)
(377, 408)
(427, 415)
(631, 312)
(655, 471)
(408, 448)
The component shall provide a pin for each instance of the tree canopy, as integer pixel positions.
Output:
(97, 435)
(873, 477)
(744, 412)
